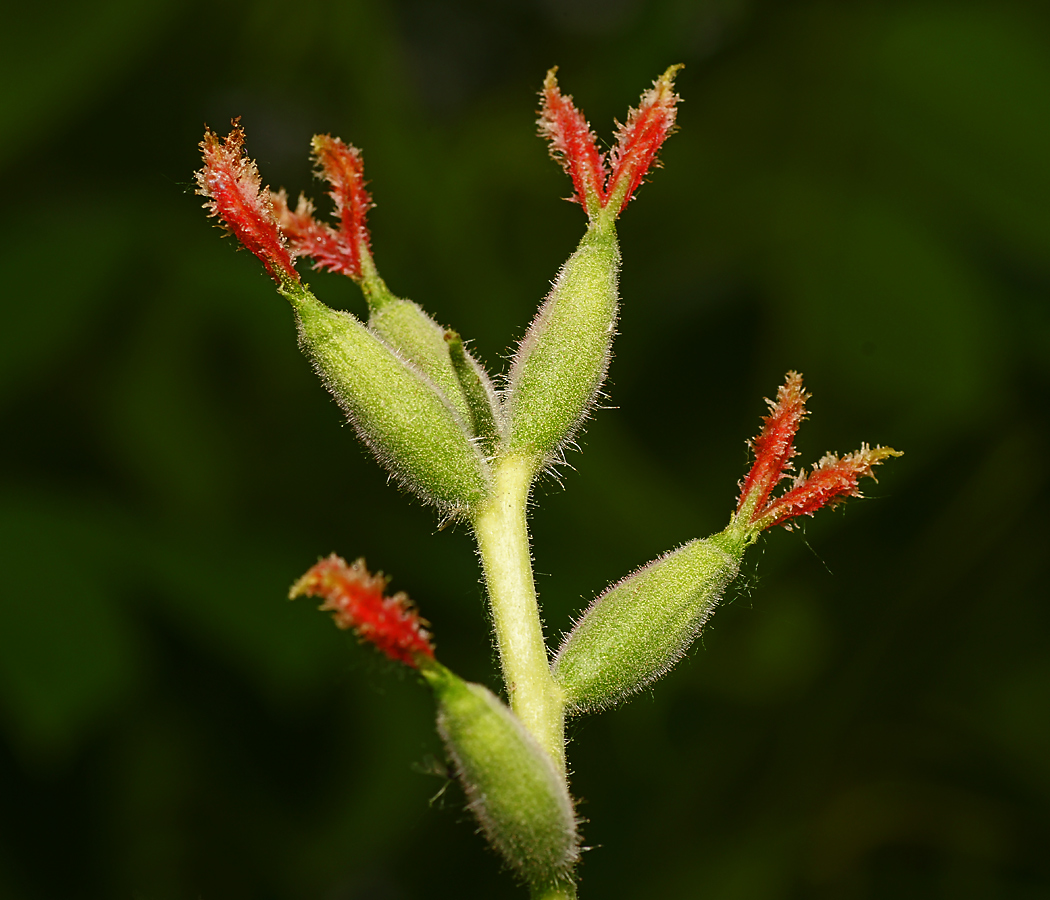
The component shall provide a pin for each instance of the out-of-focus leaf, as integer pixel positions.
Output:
(59, 263)
(67, 651)
(87, 45)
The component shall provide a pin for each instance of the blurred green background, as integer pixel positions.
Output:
(858, 191)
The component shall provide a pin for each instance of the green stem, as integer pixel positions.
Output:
(564, 891)
(503, 542)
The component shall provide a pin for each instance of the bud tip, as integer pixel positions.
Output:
(355, 598)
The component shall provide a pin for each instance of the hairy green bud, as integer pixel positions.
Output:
(396, 410)
(561, 363)
(639, 628)
(408, 328)
(514, 789)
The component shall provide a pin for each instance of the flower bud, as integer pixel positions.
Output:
(561, 362)
(396, 410)
(419, 339)
(519, 798)
(637, 629)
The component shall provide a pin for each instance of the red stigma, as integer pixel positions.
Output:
(342, 167)
(319, 242)
(831, 481)
(356, 599)
(345, 248)
(639, 140)
(774, 447)
(573, 144)
(230, 181)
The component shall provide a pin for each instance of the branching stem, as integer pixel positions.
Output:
(503, 542)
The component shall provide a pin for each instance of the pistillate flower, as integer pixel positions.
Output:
(573, 143)
(230, 181)
(831, 481)
(356, 599)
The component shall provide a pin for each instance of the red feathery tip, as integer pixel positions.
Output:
(316, 241)
(355, 596)
(230, 181)
(832, 481)
(572, 144)
(639, 140)
(774, 447)
(342, 167)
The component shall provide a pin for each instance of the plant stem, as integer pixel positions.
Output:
(564, 891)
(503, 543)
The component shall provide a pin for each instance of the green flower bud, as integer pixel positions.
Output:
(519, 798)
(637, 629)
(561, 362)
(417, 337)
(397, 411)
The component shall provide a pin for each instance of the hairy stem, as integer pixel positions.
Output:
(503, 542)
(564, 891)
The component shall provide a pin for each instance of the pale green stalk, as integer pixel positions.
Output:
(503, 542)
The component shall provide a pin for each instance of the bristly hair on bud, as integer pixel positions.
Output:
(832, 480)
(638, 141)
(574, 146)
(356, 599)
(230, 181)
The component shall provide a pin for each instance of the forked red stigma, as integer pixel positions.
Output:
(832, 480)
(356, 599)
(230, 182)
(599, 183)
(347, 248)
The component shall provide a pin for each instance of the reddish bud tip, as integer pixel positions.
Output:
(230, 181)
(572, 144)
(321, 243)
(356, 600)
(831, 482)
(774, 447)
(639, 140)
(342, 167)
